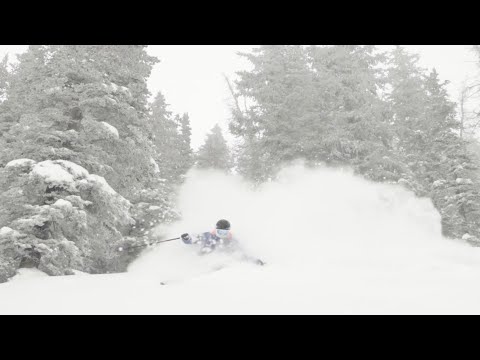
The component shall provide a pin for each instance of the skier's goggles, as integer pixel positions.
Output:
(222, 232)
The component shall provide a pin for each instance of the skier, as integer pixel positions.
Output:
(220, 239)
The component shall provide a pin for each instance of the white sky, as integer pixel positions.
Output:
(190, 76)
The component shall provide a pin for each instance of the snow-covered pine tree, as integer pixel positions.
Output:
(80, 111)
(351, 125)
(171, 137)
(428, 140)
(214, 153)
(4, 75)
(278, 91)
(184, 144)
(320, 104)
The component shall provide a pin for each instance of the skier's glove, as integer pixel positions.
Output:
(186, 238)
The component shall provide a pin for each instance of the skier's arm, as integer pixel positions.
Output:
(204, 241)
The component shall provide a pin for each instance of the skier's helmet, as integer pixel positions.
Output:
(222, 229)
(223, 224)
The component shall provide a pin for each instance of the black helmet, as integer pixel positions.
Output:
(223, 224)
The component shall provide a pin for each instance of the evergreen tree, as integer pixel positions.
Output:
(171, 136)
(82, 111)
(214, 153)
(184, 146)
(278, 89)
(428, 140)
(406, 99)
(319, 104)
(334, 105)
(4, 75)
(165, 134)
(352, 124)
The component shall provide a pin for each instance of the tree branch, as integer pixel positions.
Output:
(235, 97)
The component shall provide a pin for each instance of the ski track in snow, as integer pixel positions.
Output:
(333, 243)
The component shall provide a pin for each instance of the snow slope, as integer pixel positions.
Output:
(334, 244)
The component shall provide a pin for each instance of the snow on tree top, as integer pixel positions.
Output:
(52, 172)
(76, 170)
(61, 203)
(103, 183)
(111, 100)
(61, 172)
(463, 181)
(112, 87)
(111, 129)
(5, 230)
(53, 89)
(154, 163)
(125, 89)
(20, 162)
(438, 183)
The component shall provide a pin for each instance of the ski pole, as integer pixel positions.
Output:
(143, 245)
(160, 241)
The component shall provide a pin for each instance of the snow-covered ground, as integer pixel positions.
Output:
(333, 243)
